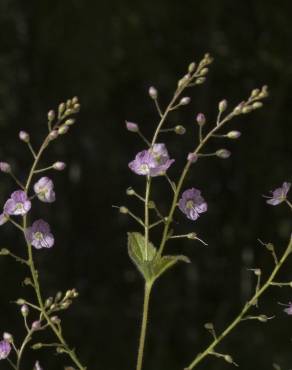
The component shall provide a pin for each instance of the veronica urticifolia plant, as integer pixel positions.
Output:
(40, 315)
(155, 161)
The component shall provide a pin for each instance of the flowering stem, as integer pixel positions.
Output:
(34, 272)
(146, 208)
(43, 169)
(16, 180)
(147, 291)
(182, 178)
(22, 348)
(245, 309)
(11, 363)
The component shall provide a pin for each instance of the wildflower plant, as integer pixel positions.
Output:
(151, 259)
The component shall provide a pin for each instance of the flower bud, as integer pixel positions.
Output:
(257, 272)
(20, 301)
(238, 109)
(257, 105)
(51, 115)
(53, 135)
(180, 130)
(200, 80)
(185, 100)
(5, 167)
(223, 153)
(24, 136)
(130, 191)
(192, 236)
(201, 119)
(59, 166)
(204, 71)
(76, 108)
(255, 92)
(8, 337)
(228, 359)
(36, 325)
(61, 108)
(37, 346)
(246, 110)
(131, 126)
(233, 134)
(55, 320)
(263, 318)
(49, 302)
(209, 326)
(24, 310)
(153, 93)
(63, 129)
(222, 106)
(75, 100)
(191, 67)
(192, 157)
(151, 204)
(69, 122)
(123, 210)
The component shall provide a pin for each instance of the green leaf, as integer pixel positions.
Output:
(137, 253)
(166, 262)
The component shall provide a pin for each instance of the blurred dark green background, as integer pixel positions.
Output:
(109, 53)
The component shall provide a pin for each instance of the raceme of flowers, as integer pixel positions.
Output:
(19, 204)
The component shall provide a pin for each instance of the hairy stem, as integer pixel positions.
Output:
(147, 291)
(245, 309)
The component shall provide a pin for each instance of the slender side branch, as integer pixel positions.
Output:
(245, 309)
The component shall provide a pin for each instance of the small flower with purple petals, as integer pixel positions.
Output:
(39, 235)
(153, 162)
(288, 310)
(192, 203)
(279, 195)
(44, 190)
(17, 204)
(5, 349)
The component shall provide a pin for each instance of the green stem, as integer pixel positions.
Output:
(147, 291)
(245, 309)
(22, 348)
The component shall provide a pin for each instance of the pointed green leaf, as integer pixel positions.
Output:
(137, 253)
(166, 262)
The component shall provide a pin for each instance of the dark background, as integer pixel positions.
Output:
(109, 53)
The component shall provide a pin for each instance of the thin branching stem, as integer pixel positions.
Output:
(245, 309)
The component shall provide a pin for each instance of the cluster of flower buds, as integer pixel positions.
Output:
(60, 302)
(253, 102)
(59, 123)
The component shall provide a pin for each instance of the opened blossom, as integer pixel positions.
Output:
(44, 190)
(153, 162)
(288, 310)
(192, 204)
(279, 195)
(39, 235)
(5, 349)
(17, 204)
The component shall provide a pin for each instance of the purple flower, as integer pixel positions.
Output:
(39, 235)
(44, 190)
(153, 162)
(288, 310)
(192, 203)
(5, 349)
(17, 204)
(279, 195)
